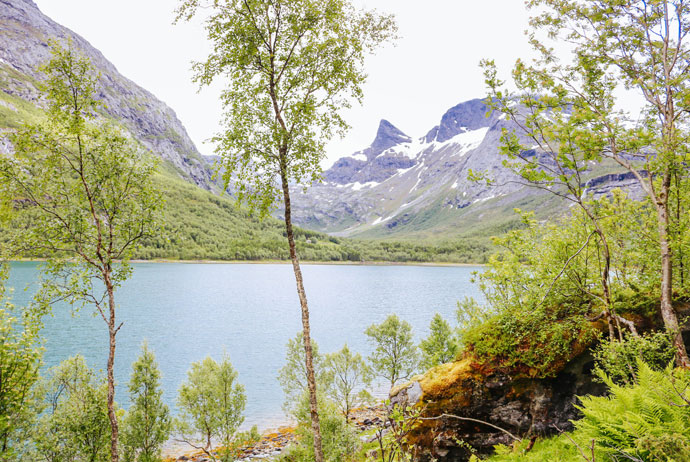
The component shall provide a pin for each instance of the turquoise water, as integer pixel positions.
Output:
(189, 311)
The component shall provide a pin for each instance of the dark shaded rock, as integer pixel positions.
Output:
(376, 167)
(387, 136)
(520, 405)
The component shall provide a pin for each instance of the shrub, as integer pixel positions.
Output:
(211, 404)
(618, 360)
(74, 426)
(395, 354)
(340, 442)
(440, 346)
(147, 425)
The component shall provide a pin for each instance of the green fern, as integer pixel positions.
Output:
(648, 421)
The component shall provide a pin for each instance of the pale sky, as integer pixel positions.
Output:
(432, 67)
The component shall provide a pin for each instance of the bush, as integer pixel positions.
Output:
(340, 442)
(211, 404)
(74, 426)
(395, 355)
(440, 346)
(147, 424)
(618, 360)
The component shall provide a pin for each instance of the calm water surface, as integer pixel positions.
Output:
(249, 311)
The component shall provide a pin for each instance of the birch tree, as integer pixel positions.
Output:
(87, 191)
(634, 48)
(290, 68)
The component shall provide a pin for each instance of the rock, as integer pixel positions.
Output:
(516, 403)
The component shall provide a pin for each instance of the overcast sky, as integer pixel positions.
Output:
(432, 67)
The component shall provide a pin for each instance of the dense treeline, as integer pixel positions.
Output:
(199, 225)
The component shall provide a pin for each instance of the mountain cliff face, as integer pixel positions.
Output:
(398, 187)
(24, 45)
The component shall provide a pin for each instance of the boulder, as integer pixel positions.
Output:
(494, 400)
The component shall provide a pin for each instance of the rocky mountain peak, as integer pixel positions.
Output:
(387, 136)
(470, 115)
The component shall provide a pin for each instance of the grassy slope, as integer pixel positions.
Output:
(201, 225)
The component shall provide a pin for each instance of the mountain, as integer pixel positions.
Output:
(400, 184)
(198, 222)
(400, 187)
(25, 33)
(406, 188)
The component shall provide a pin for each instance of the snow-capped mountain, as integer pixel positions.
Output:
(401, 185)
(397, 178)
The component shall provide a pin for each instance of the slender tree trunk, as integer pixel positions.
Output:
(112, 330)
(311, 380)
(667, 311)
(605, 285)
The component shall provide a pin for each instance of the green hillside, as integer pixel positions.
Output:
(200, 225)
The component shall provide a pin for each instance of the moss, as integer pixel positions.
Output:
(443, 381)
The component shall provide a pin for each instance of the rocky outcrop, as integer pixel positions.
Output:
(474, 404)
(519, 405)
(376, 163)
(25, 33)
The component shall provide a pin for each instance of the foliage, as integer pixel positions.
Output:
(86, 185)
(530, 327)
(211, 404)
(395, 355)
(147, 424)
(440, 346)
(293, 375)
(247, 438)
(20, 359)
(340, 441)
(293, 66)
(350, 376)
(648, 421)
(557, 448)
(569, 104)
(391, 436)
(293, 69)
(618, 360)
(74, 425)
(200, 225)
(84, 194)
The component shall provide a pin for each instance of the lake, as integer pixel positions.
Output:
(249, 311)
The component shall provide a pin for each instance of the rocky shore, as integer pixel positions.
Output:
(274, 442)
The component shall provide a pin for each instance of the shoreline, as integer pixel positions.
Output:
(275, 440)
(285, 262)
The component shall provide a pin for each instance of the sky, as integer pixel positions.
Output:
(433, 66)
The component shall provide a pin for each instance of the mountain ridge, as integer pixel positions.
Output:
(24, 46)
